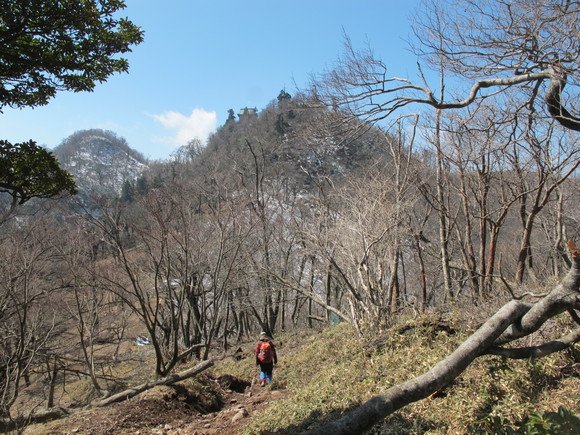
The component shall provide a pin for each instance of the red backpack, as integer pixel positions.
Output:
(265, 352)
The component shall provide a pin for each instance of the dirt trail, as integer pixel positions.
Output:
(235, 414)
(166, 411)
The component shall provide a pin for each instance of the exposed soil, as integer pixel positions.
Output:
(170, 411)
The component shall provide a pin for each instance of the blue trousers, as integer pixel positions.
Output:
(266, 372)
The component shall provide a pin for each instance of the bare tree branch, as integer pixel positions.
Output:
(537, 351)
(514, 320)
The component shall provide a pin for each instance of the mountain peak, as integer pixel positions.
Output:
(100, 161)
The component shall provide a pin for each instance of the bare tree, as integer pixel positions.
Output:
(497, 170)
(550, 159)
(26, 318)
(514, 320)
(522, 53)
(136, 278)
(177, 250)
(365, 237)
(88, 301)
(501, 45)
(275, 246)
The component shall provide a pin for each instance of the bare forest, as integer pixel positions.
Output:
(360, 200)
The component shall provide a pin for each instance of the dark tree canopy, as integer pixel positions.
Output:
(284, 96)
(29, 171)
(48, 46)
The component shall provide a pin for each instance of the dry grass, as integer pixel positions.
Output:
(336, 370)
(326, 373)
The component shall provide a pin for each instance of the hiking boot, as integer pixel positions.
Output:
(262, 383)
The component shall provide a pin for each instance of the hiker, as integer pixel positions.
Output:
(265, 358)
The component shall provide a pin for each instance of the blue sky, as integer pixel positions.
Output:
(203, 57)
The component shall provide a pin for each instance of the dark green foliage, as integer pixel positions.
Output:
(127, 192)
(48, 46)
(284, 96)
(141, 185)
(282, 127)
(45, 47)
(561, 422)
(29, 171)
(493, 425)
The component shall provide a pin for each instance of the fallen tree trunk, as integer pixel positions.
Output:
(514, 320)
(168, 380)
(423, 386)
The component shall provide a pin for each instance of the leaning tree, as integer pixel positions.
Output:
(524, 52)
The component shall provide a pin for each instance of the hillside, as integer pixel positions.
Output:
(322, 374)
(100, 162)
(410, 242)
(284, 223)
(291, 140)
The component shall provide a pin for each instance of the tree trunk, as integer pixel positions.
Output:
(435, 379)
(422, 274)
(443, 230)
(514, 320)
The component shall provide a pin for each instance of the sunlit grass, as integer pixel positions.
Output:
(337, 370)
(326, 373)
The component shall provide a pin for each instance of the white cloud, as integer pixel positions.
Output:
(199, 124)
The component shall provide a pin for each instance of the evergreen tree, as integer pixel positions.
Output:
(47, 47)
(141, 185)
(127, 192)
(28, 171)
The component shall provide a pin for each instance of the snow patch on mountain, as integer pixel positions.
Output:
(100, 162)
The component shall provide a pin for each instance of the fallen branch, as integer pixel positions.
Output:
(537, 351)
(514, 320)
(168, 380)
(43, 416)
(378, 407)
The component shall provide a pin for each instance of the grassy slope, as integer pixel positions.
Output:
(331, 372)
(327, 373)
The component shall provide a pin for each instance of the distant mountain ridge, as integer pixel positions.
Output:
(100, 162)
